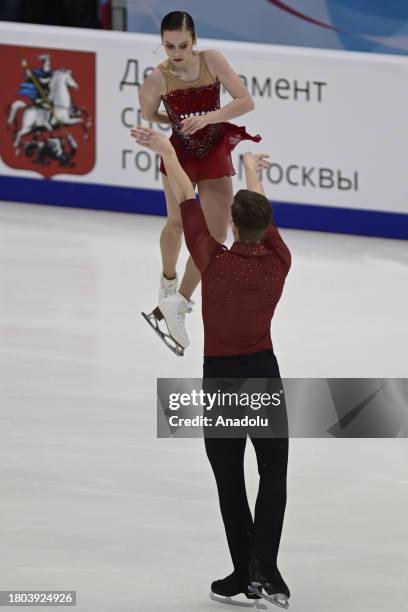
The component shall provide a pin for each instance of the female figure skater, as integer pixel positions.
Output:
(188, 83)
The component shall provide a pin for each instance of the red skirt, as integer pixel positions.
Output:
(217, 162)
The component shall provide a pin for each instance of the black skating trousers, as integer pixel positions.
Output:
(247, 537)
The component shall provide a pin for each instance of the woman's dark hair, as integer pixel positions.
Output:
(178, 20)
(251, 214)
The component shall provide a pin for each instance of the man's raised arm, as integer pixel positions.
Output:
(253, 164)
(272, 240)
(179, 181)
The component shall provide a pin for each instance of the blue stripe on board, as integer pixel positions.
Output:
(151, 201)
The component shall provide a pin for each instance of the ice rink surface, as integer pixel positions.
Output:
(92, 501)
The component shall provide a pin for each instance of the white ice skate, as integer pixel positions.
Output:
(172, 310)
(167, 287)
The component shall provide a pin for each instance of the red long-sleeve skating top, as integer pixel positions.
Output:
(240, 287)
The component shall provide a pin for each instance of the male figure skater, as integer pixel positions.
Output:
(240, 290)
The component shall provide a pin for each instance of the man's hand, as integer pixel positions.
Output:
(256, 161)
(253, 164)
(151, 139)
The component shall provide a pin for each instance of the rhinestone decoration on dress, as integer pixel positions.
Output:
(182, 103)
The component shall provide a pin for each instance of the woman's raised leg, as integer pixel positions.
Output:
(170, 244)
(216, 198)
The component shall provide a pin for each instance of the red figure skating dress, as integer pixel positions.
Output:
(207, 153)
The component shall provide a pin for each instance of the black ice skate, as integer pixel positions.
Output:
(172, 310)
(268, 583)
(229, 591)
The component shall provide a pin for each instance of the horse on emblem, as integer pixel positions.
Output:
(55, 111)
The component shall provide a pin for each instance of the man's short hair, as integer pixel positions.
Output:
(251, 214)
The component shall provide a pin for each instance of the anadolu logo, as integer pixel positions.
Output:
(47, 110)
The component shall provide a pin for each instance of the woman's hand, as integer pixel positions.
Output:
(152, 139)
(192, 124)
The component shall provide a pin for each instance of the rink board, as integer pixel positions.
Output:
(333, 122)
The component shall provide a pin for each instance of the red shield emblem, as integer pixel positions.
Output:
(47, 110)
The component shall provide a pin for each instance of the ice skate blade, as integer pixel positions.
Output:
(165, 336)
(256, 603)
(278, 599)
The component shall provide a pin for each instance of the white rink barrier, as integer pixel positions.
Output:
(334, 124)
